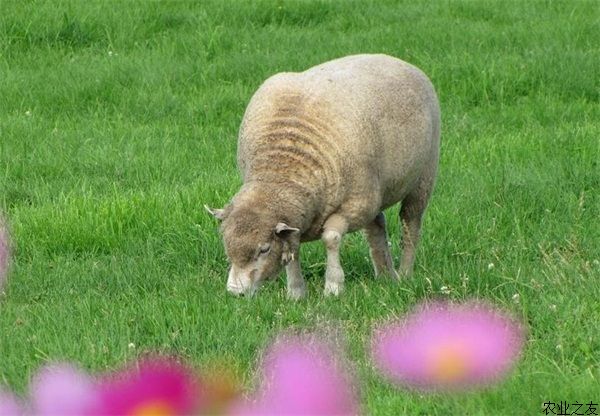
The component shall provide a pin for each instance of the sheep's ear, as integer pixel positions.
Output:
(282, 230)
(215, 212)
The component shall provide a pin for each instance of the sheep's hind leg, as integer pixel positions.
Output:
(379, 247)
(333, 230)
(411, 215)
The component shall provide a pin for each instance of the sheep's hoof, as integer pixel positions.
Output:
(333, 288)
(404, 273)
(297, 292)
(387, 274)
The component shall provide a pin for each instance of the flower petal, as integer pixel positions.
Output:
(10, 405)
(301, 377)
(65, 390)
(158, 385)
(448, 346)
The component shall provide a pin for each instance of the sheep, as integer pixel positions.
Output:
(322, 153)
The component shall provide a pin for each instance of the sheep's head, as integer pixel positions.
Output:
(256, 244)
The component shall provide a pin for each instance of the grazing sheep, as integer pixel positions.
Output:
(322, 153)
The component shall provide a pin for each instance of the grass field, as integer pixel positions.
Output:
(118, 121)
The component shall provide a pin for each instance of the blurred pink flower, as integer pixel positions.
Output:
(301, 377)
(10, 405)
(155, 387)
(62, 389)
(448, 346)
(4, 252)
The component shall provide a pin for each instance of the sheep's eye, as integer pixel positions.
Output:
(264, 248)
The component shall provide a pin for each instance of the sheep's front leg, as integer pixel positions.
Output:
(296, 287)
(333, 230)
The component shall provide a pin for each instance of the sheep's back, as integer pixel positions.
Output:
(363, 123)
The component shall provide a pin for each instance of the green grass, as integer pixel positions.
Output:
(118, 121)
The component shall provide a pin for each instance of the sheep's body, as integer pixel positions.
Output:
(327, 149)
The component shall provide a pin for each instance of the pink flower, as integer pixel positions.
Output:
(4, 252)
(155, 387)
(300, 377)
(62, 389)
(448, 346)
(10, 405)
